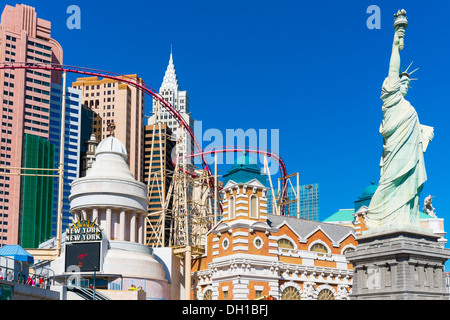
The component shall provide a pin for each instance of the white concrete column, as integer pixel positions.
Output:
(95, 216)
(83, 215)
(79, 216)
(141, 228)
(115, 225)
(122, 226)
(108, 223)
(133, 227)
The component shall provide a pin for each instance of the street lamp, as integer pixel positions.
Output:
(93, 266)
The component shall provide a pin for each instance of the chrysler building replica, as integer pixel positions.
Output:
(170, 91)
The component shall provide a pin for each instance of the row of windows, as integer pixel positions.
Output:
(36, 115)
(38, 73)
(38, 45)
(317, 247)
(39, 53)
(289, 293)
(288, 245)
(44, 83)
(30, 106)
(38, 59)
(36, 99)
(36, 129)
(109, 85)
(98, 94)
(37, 90)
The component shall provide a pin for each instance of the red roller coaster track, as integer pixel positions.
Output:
(261, 151)
(155, 95)
(114, 76)
(256, 150)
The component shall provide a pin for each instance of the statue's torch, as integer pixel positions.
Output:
(401, 22)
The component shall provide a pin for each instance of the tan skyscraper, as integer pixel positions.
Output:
(123, 104)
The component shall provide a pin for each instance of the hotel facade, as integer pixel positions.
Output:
(116, 102)
(25, 96)
(251, 254)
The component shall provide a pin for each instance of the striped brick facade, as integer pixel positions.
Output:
(246, 255)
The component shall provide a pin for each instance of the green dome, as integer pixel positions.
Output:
(243, 170)
(245, 160)
(369, 190)
(366, 196)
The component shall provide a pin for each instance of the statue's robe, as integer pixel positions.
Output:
(396, 200)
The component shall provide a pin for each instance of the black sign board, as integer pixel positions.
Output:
(83, 255)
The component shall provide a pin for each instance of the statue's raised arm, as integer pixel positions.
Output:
(400, 24)
(394, 65)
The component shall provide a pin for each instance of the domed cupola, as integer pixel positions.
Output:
(366, 196)
(243, 170)
(110, 193)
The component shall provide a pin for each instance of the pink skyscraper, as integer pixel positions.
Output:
(25, 97)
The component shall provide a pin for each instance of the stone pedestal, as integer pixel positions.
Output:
(402, 263)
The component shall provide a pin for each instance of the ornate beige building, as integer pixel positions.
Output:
(251, 254)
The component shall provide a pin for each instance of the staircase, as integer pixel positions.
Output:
(87, 294)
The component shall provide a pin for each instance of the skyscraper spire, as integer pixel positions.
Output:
(170, 80)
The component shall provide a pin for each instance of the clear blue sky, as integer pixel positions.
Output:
(313, 70)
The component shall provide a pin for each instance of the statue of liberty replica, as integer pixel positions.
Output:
(396, 259)
(396, 200)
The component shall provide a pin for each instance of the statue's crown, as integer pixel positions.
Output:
(408, 74)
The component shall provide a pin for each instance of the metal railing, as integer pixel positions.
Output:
(87, 293)
(10, 269)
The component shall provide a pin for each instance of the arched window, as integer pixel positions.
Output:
(318, 247)
(231, 208)
(285, 244)
(253, 207)
(349, 249)
(325, 294)
(290, 293)
(207, 295)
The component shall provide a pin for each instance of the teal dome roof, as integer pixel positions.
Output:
(246, 161)
(369, 190)
(366, 196)
(244, 169)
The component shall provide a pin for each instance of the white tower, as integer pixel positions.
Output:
(170, 91)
